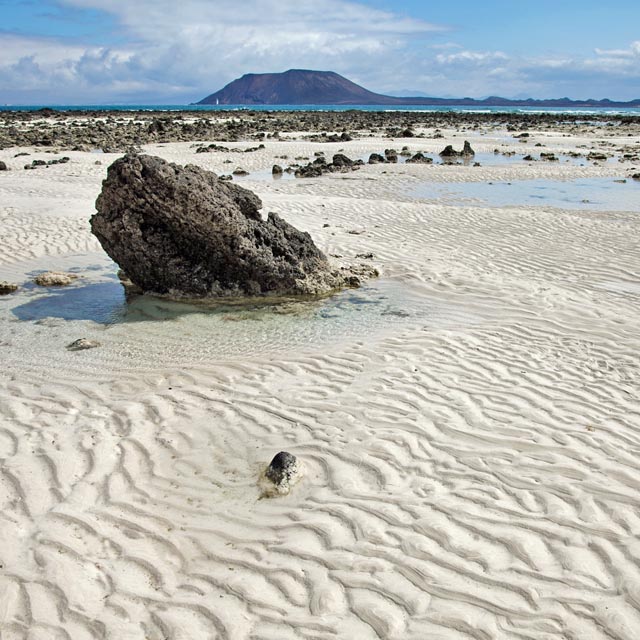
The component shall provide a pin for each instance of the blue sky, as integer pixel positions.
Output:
(155, 51)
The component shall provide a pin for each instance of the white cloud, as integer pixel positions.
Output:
(185, 48)
(181, 51)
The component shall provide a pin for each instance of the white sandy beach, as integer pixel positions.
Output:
(471, 452)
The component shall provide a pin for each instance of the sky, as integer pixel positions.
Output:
(168, 52)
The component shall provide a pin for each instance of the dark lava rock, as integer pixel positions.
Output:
(283, 471)
(376, 158)
(7, 287)
(182, 232)
(391, 155)
(420, 158)
(529, 158)
(407, 133)
(635, 176)
(276, 170)
(3, 166)
(239, 171)
(549, 157)
(449, 152)
(339, 160)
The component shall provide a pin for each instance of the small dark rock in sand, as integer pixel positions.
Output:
(182, 232)
(7, 287)
(3, 166)
(283, 472)
(239, 171)
(83, 343)
(276, 170)
(635, 176)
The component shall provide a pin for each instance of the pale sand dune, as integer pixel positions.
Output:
(471, 470)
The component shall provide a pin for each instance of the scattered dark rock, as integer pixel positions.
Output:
(420, 158)
(276, 170)
(549, 157)
(450, 152)
(339, 160)
(376, 158)
(7, 287)
(407, 133)
(391, 155)
(3, 166)
(239, 171)
(529, 158)
(182, 232)
(635, 176)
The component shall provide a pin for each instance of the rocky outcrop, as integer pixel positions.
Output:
(182, 232)
(450, 152)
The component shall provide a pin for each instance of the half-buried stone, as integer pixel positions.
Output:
(281, 474)
(181, 232)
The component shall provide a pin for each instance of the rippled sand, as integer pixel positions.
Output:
(469, 425)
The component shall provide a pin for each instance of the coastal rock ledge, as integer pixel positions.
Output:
(182, 232)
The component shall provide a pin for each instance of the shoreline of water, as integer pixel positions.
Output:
(629, 111)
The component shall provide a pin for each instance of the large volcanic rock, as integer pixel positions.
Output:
(182, 232)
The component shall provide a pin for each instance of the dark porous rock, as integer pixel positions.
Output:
(635, 176)
(549, 157)
(376, 158)
(7, 287)
(391, 155)
(407, 133)
(276, 170)
(182, 232)
(448, 152)
(239, 171)
(339, 160)
(529, 158)
(419, 158)
(3, 166)
(281, 474)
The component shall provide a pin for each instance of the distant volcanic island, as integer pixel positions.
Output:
(301, 86)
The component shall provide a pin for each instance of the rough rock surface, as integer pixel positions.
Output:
(283, 472)
(182, 232)
(54, 279)
(3, 166)
(7, 287)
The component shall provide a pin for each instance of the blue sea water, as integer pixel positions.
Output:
(635, 111)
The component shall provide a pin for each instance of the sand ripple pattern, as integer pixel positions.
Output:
(471, 482)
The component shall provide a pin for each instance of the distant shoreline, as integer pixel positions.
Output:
(591, 110)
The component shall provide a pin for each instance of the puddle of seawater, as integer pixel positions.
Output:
(583, 193)
(146, 330)
(488, 159)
